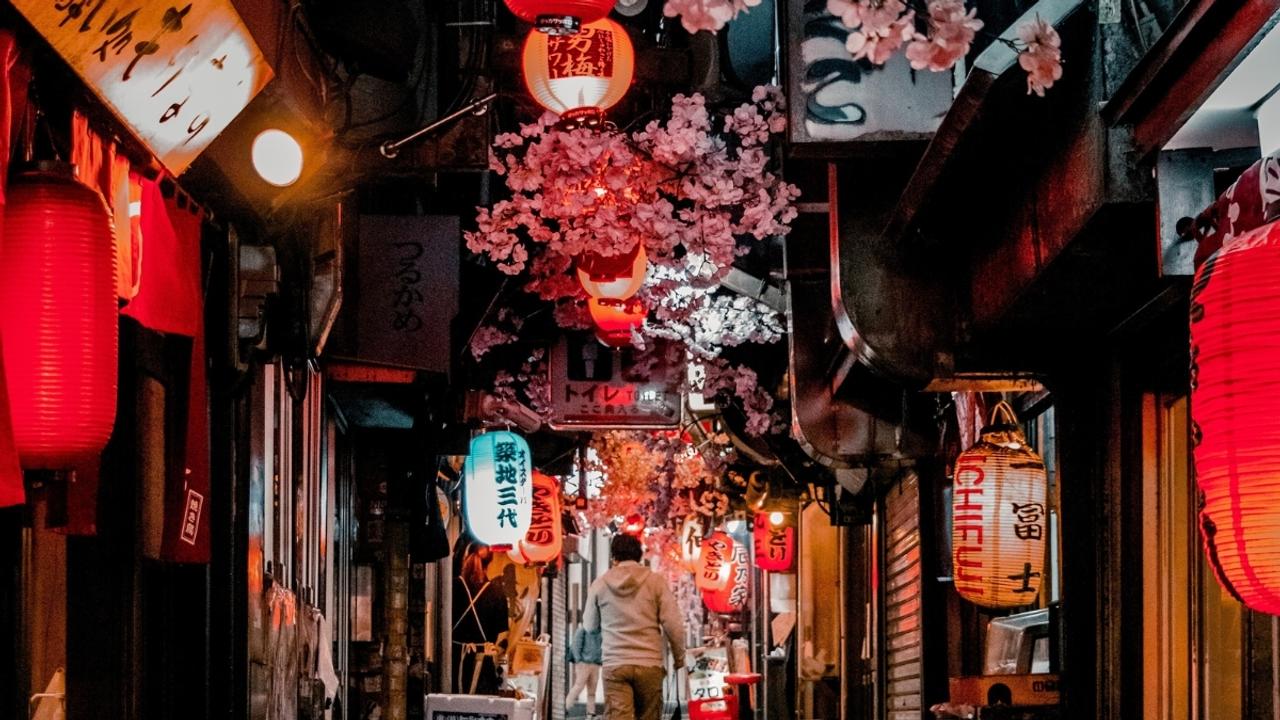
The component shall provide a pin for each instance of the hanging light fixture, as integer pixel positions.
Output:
(542, 543)
(633, 525)
(774, 541)
(497, 497)
(1235, 355)
(559, 17)
(59, 323)
(999, 517)
(715, 561)
(615, 319)
(580, 76)
(617, 277)
(732, 597)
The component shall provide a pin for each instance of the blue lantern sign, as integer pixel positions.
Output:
(497, 498)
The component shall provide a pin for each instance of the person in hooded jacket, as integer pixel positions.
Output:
(634, 609)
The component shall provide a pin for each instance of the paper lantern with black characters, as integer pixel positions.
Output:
(999, 517)
(616, 277)
(774, 538)
(59, 318)
(545, 538)
(732, 598)
(715, 561)
(560, 16)
(691, 532)
(497, 496)
(579, 76)
(1235, 407)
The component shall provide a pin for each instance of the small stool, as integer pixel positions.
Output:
(739, 683)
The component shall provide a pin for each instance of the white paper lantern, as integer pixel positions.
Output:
(497, 497)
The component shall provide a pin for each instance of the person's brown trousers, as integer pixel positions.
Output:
(632, 692)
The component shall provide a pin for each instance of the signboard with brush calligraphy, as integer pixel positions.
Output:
(175, 73)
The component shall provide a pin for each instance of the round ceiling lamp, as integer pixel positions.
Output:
(560, 17)
(277, 157)
(580, 76)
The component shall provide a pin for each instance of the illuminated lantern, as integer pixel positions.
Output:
(545, 538)
(59, 318)
(774, 538)
(1235, 353)
(579, 76)
(560, 16)
(497, 497)
(999, 518)
(732, 598)
(615, 319)
(715, 562)
(633, 525)
(691, 533)
(614, 278)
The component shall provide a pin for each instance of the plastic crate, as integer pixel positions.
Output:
(721, 708)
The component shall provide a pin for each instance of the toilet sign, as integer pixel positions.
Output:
(599, 387)
(176, 73)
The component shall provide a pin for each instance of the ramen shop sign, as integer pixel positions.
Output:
(175, 73)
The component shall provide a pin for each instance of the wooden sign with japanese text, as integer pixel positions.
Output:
(176, 73)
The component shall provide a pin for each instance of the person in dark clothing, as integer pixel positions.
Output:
(480, 616)
(584, 653)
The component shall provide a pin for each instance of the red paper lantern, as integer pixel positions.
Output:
(999, 517)
(615, 319)
(58, 294)
(545, 539)
(774, 538)
(560, 16)
(1235, 393)
(715, 561)
(633, 525)
(732, 598)
(617, 277)
(579, 76)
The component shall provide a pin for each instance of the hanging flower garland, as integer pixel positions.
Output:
(934, 33)
(696, 189)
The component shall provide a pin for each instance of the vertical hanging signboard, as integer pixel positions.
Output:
(176, 73)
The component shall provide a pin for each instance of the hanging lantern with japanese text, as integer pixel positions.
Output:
(715, 561)
(999, 518)
(732, 598)
(774, 540)
(1235, 393)
(579, 76)
(60, 318)
(691, 532)
(560, 17)
(497, 497)
(545, 538)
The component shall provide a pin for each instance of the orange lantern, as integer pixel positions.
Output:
(617, 277)
(691, 533)
(615, 319)
(1235, 354)
(560, 16)
(999, 517)
(732, 598)
(633, 525)
(545, 538)
(774, 538)
(579, 76)
(715, 561)
(58, 291)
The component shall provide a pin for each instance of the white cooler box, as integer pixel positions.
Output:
(477, 707)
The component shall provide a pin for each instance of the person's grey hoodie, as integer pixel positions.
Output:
(633, 608)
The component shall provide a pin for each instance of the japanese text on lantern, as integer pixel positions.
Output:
(406, 293)
(540, 526)
(509, 475)
(969, 512)
(176, 73)
(715, 555)
(589, 53)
